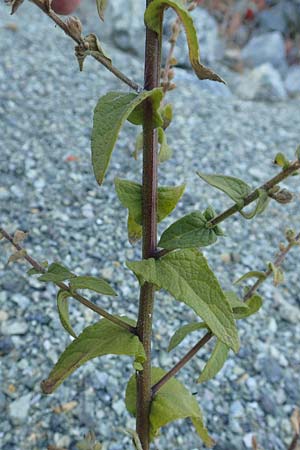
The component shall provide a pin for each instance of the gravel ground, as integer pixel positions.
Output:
(47, 187)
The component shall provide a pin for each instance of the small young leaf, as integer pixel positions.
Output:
(101, 6)
(172, 402)
(186, 275)
(135, 231)
(138, 147)
(153, 18)
(100, 339)
(183, 331)
(261, 205)
(110, 114)
(165, 152)
(63, 311)
(235, 188)
(252, 274)
(56, 273)
(93, 284)
(278, 275)
(34, 271)
(167, 115)
(188, 232)
(254, 304)
(215, 363)
(281, 160)
(19, 236)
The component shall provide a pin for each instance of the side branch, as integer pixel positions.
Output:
(101, 59)
(255, 194)
(207, 337)
(84, 301)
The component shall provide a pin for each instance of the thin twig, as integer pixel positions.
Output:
(285, 173)
(187, 357)
(66, 288)
(277, 263)
(207, 337)
(80, 41)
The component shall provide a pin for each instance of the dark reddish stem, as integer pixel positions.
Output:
(146, 302)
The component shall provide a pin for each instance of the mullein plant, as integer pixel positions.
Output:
(174, 262)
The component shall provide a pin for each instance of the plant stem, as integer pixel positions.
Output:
(84, 301)
(149, 200)
(80, 41)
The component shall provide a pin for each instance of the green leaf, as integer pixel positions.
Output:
(188, 232)
(215, 362)
(297, 153)
(110, 114)
(238, 306)
(168, 197)
(235, 188)
(172, 402)
(102, 338)
(154, 17)
(56, 273)
(101, 6)
(261, 205)
(130, 195)
(252, 274)
(93, 284)
(254, 304)
(189, 279)
(165, 152)
(63, 311)
(182, 332)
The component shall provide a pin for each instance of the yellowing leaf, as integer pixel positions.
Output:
(100, 339)
(183, 331)
(110, 114)
(186, 275)
(153, 18)
(215, 362)
(235, 188)
(188, 232)
(172, 402)
(63, 311)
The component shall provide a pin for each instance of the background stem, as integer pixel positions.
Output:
(150, 150)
